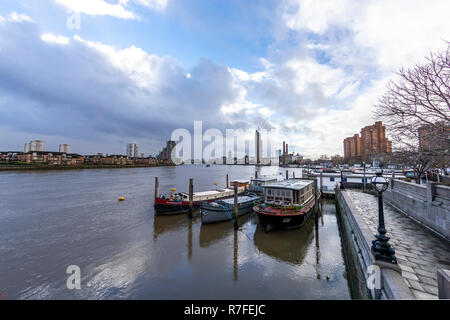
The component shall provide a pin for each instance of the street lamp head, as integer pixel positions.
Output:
(379, 182)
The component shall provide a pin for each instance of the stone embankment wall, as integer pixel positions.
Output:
(357, 239)
(429, 204)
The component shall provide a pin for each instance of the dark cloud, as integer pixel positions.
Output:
(74, 91)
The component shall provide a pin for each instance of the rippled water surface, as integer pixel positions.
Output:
(50, 220)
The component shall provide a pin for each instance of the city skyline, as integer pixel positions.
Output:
(135, 71)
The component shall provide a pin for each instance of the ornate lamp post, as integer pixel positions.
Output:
(364, 179)
(342, 181)
(381, 247)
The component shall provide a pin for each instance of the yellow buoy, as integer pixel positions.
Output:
(121, 199)
(173, 189)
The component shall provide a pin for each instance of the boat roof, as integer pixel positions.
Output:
(292, 184)
(265, 179)
(240, 199)
(208, 193)
(239, 181)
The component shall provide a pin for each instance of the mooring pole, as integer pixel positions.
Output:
(235, 214)
(256, 174)
(321, 182)
(315, 197)
(156, 187)
(293, 174)
(191, 197)
(287, 174)
(227, 181)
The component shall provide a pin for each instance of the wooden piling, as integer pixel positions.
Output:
(235, 213)
(293, 174)
(256, 174)
(156, 187)
(287, 174)
(227, 181)
(316, 203)
(321, 182)
(191, 197)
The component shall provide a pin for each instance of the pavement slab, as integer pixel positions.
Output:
(419, 251)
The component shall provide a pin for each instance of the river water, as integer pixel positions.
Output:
(53, 219)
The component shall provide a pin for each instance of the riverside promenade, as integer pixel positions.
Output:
(419, 251)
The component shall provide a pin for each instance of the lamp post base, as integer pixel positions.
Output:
(383, 251)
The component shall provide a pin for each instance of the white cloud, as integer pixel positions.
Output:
(118, 10)
(158, 5)
(360, 44)
(51, 38)
(98, 7)
(318, 15)
(145, 69)
(306, 71)
(400, 32)
(16, 17)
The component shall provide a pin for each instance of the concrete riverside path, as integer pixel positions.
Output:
(419, 251)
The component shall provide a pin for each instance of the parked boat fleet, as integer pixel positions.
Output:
(284, 204)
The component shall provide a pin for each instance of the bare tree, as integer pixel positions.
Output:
(416, 112)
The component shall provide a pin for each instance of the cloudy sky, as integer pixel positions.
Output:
(98, 74)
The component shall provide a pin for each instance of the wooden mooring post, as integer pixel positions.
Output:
(227, 181)
(256, 174)
(316, 202)
(191, 197)
(156, 187)
(321, 182)
(235, 211)
(293, 174)
(287, 174)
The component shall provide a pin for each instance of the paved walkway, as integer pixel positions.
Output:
(419, 251)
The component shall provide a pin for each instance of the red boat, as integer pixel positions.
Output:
(179, 203)
(287, 204)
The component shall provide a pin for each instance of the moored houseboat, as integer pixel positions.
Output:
(222, 210)
(256, 185)
(178, 203)
(287, 204)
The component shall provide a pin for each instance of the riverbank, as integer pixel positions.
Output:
(79, 167)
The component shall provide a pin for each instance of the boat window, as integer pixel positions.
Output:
(332, 179)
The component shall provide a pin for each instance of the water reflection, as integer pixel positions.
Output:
(235, 256)
(213, 233)
(171, 223)
(124, 251)
(286, 245)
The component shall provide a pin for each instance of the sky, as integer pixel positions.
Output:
(99, 74)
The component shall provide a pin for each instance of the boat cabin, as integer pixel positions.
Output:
(256, 185)
(291, 192)
(206, 195)
(241, 183)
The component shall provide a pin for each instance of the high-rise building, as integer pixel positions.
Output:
(435, 137)
(352, 147)
(372, 141)
(258, 147)
(132, 150)
(35, 145)
(64, 148)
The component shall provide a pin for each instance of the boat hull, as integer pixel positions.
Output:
(213, 214)
(271, 221)
(171, 208)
